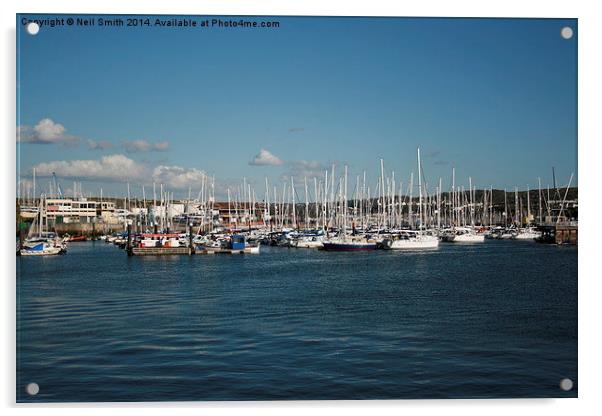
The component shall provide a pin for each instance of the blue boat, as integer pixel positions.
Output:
(340, 244)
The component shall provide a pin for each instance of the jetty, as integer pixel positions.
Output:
(563, 233)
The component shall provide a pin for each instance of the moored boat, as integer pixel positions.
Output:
(463, 235)
(349, 244)
(76, 238)
(410, 240)
(527, 234)
(42, 247)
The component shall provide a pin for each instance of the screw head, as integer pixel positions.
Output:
(32, 389)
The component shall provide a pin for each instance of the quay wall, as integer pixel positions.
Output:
(87, 229)
(566, 234)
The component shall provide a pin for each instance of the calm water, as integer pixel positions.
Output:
(492, 320)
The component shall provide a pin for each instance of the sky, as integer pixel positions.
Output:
(496, 99)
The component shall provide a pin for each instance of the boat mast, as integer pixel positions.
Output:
(316, 201)
(539, 206)
(345, 207)
(293, 199)
(439, 205)
(490, 205)
(267, 216)
(34, 184)
(250, 204)
(516, 212)
(471, 201)
(229, 211)
(362, 206)
(410, 213)
(333, 210)
(419, 194)
(306, 203)
(42, 213)
(528, 206)
(564, 199)
(392, 202)
(505, 208)
(382, 193)
(325, 201)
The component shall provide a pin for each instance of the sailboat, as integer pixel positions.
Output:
(467, 235)
(343, 242)
(409, 239)
(308, 240)
(42, 247)
(39, 242)
(529, 233)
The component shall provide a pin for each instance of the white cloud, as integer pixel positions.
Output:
(305, 168)
(265, 158)
(99, 145)
(48, 130)
(112, 168)
(120, 168)
(133, 146)
(178, 177)
(162, 146)
(45, 132)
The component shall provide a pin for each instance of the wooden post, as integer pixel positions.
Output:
(190, 244)
(22, 227)
(129, 242)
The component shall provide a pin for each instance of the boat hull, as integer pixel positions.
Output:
(49, 251)
(417, 244)
(469, 238)
(348, 247)
(308, 244)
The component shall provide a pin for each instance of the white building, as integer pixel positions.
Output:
(75, 210)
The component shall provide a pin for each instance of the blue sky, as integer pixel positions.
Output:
(495, 98)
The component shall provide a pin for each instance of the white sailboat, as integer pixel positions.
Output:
(42, 247)
(409, 239)
(529, 233)
(467, 235)
(308, 241)
(40, 243)
(342, 242)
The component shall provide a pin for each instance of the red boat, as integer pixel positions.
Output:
(77, 238)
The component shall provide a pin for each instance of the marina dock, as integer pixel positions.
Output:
(160, 251)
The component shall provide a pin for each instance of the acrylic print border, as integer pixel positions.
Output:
(260, 157)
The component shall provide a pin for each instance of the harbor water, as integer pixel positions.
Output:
(496, 319)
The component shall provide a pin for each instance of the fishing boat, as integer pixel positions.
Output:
(410, 240)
